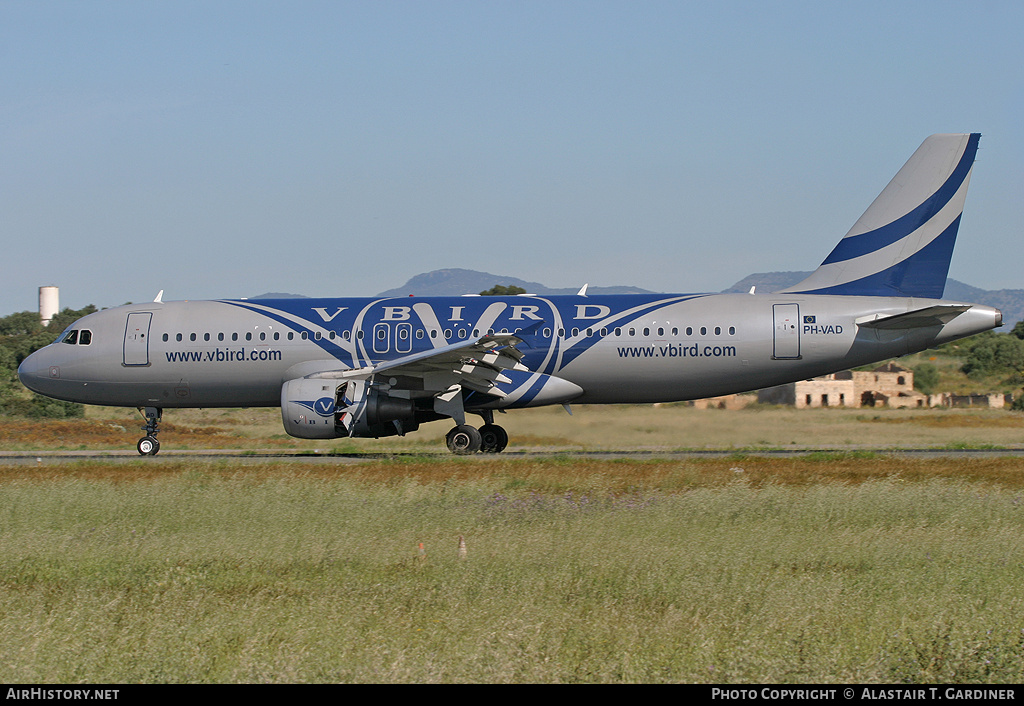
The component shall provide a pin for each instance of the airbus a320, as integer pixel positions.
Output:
(380, 367)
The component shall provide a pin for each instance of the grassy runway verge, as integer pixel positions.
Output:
(827, 568)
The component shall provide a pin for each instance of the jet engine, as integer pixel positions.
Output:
(315, 408)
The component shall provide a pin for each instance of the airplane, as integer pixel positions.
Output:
(351, 367)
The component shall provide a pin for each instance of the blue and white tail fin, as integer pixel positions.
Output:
(902, 244)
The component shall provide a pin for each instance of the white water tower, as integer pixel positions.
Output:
(49, 304)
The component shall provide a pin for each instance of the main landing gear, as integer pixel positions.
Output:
(489, 439)
(148, 445)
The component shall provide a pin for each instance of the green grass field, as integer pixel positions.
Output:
(830, 568)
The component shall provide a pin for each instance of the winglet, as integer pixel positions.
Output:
(531, 334)
(159, 297)
(583, 290)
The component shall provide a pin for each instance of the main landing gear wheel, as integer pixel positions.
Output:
(463, 439)
(493, 439)
(148, 446)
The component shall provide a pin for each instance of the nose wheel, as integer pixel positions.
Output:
(149, 445)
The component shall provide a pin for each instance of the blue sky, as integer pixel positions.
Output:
(224, 149)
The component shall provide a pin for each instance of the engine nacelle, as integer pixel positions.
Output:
(309, 408)
(314, 408)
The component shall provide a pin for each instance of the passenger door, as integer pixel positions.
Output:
(136, 338)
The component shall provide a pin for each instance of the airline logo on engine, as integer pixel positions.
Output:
(323, 406)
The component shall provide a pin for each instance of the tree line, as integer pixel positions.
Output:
(22, 334)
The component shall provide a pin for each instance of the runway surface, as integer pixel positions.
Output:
(262, 456)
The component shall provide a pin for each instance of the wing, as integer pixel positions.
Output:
(443, 373)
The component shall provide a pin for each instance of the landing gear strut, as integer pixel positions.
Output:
(148, 445)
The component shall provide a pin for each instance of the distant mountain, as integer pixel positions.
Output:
(767, 281)
(279, 295)
(456, 282)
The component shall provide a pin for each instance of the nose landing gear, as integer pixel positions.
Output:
(149, 445)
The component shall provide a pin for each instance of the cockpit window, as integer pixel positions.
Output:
(81, 337)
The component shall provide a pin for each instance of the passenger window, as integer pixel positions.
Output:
(718, 330)
(547, 333)
(192, 337)
(433, 333)
(447, 333)
(291, 335)
(462, 333)
(263, 335)
(85, 337)
(732, 330)
(618, 331)
(220, 336)
(703, 330)
(689, 330)
(575, 332)
(248, 335)
(234, 336)
(166, 336)
(675, 330)
(647, 331)
(178, 338)
(590, 332)
(277, 336)
(632, 332)
(206, 337)
(661, 331)
(305, 335)
(318, 335)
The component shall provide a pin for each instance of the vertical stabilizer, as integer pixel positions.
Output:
(903, 243)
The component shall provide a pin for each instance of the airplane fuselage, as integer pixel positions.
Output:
(616, 349)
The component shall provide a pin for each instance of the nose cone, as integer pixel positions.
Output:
(37, 374)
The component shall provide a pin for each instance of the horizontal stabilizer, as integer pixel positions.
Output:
(921, 318)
